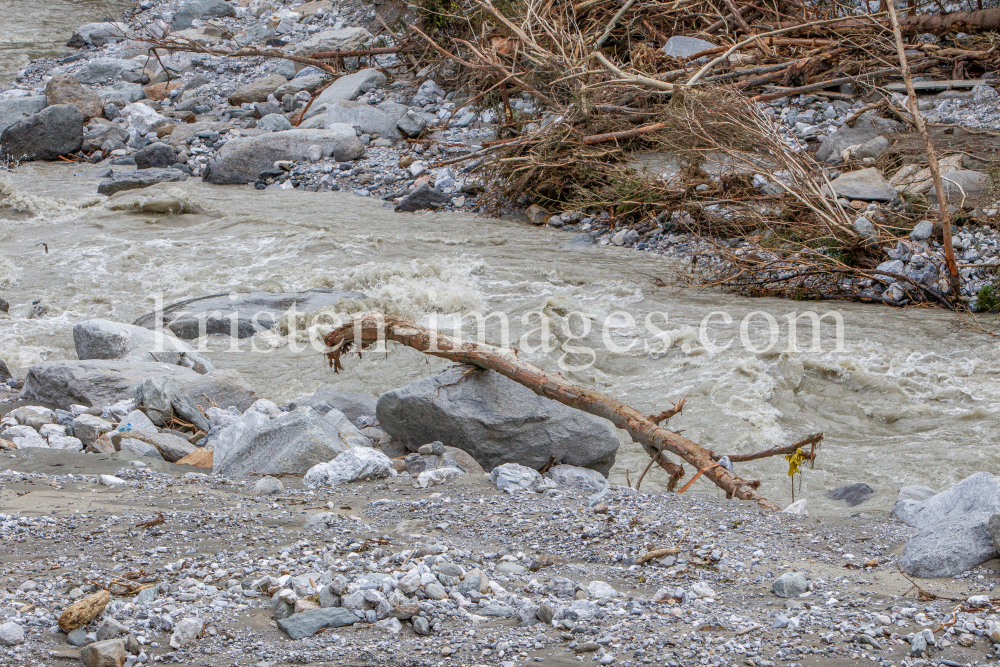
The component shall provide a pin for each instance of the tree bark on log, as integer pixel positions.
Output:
(373, 327)
(83, 611)
(983, 20)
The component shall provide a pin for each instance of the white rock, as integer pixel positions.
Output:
(409, 582)
(390, 625)
(24, 437)
(355, 464)
(143, 119)
(66, 442)
(265, 407)
(437, 476)
(702, 590)
(51, 430)
(268, 486)
(513, 477)
(601, 589)
(800, 507)
(111, 480)
(44, 413)
(185, 632)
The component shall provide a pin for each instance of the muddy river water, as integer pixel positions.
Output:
(902, 396)
(33, 29)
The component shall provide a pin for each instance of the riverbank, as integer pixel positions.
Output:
(238, 121)
(219, 541)
(472, 575)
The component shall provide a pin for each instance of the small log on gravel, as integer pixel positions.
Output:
(658, 553)
(370, 328)
(84, 611)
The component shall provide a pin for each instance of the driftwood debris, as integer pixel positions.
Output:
(812, 442)
(83, 611)
(658, 553)
(370, 328)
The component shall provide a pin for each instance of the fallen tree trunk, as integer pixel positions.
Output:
(371, 328)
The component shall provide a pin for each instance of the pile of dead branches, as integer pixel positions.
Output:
(607, 90)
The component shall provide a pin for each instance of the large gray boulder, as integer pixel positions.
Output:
(338, 39)
(119, 181)
(351, 403)
(19, 108)
(977, 493)
(104, 339)
(241, 160)
(868, 126)
(92, 382)
(97, 383)
(97, 34)
(200, 9)
(293, 442)
(497, 421)
(953, 536)
(346, 88)
(53, 131)
(363, 117)
(255, 311)
(949, 547)
(103, 70)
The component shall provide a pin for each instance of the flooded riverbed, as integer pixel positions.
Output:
(901, 397)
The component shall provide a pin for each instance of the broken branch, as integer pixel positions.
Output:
(373, 327)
